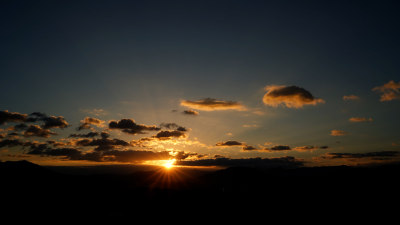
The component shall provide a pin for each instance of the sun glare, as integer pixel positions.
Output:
(169, 164)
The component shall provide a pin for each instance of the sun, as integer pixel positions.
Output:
(169, 164)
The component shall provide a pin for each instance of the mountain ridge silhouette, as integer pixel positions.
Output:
(236, 188)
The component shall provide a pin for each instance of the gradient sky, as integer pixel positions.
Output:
(331, 69)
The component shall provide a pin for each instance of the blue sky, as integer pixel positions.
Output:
(141, 59)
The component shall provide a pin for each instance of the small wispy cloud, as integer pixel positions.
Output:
(389, 91)
(338, 133)
(190, 112)
(360, 119)
(351, 98)
(250, 125)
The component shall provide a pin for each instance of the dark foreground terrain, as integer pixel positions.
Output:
(30, 190)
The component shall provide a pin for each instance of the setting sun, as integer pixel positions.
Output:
(169, 163)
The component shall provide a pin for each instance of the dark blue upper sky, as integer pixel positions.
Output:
(141, 59)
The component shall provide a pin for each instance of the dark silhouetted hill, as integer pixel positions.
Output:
(37, 191)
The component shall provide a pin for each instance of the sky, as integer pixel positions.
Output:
(200, 82)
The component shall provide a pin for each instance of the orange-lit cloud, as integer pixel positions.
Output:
(350, 98)
(306, 148)
(229, 143)
(85, 123)
(168, 134)
(244, 146)
(6, 116)
(35, 130)
(134, 156)
(49, 121)
(275, 148)
(173, 126)
(190, 112)
(210, 104)
(95, 146)
(102, 144)
(338, 133)
(360, 119)
(249, 148)
(131, 127)
(389, 91)
(278, 148)
(309, 148)
(289, 96)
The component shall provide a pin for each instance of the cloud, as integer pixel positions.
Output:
(210, 104)
(283, 162)
(10, 143)
(279, 148)
(6, 116)
(248, 148)
(275, 148)
(230, 143)
(104, 152)
(389, 91)
(129, 126)
(21, 126)
(190, 112)
(338, 133)
(88, 135)
(168, 134)
(181, 155)
(85, 123)
(178, 132)
(86, 146)
(49, 121)
(350, 98)
(379, 155)
(173, 126)
(307, 148)
(135, 156)
(102, 144)
(290, 96)
(360, 119)
(54, 121)
(36, 148)
(68, 153)
(35, 130)
(111, 155)
(244, 146)
(58, 143)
